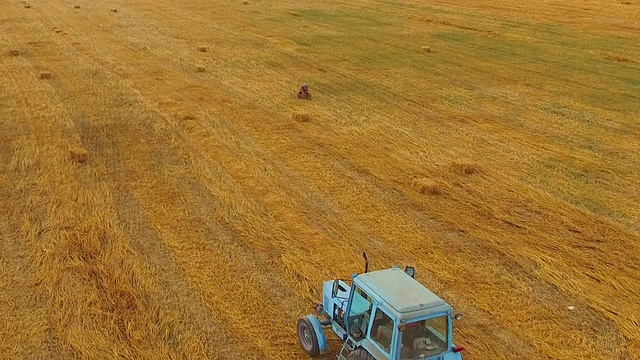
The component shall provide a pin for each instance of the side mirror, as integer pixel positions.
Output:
(411, 271)
(334, 290)
(457, 316)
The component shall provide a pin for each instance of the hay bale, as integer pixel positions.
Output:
(245, 2)
(301, 117)
(201, 69)
(114, 10)
(465, 168)
(76, 6)
(427, 187)
(202, 48)
(303, 92)
(620, 58)
(626, 2)
(79, 155)
(426, 49)
(184, 114)
(45, 75)
(27, 6)
(14, 52)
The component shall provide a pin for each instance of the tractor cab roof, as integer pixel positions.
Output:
(402, 294)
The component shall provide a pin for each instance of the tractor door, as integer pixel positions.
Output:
(358, 313)
(383, 331)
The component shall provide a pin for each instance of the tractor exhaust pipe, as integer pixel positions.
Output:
(366, 262)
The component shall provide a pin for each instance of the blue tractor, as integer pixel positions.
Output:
(383, 314)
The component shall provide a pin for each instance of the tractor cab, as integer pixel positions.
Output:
(383, 315)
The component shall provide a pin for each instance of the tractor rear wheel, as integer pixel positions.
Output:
(307, 337)
(360, 354)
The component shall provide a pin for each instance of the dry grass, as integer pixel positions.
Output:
(204, 209)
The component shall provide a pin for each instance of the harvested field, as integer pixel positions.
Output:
(159, 201)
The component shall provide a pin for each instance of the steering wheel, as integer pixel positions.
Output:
(353, 320)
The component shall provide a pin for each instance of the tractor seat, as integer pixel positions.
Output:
(383, 335)
(411, 332)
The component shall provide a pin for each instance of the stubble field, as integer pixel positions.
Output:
(504, 164)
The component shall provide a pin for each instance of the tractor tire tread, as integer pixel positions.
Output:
(360, 354)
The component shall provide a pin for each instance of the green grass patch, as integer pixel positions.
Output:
(454, 36)
(343, 18)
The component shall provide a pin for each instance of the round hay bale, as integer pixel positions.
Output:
(426, 49)
(245, 2)
(301, 117)
(201, 69)
(114, 10)
(27, 6)
(202, 48)
(79, 155)
(14, 52)
(45, 75)
(76, 6)
(427, 187)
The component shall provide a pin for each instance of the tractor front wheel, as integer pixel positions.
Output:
(307, 337)
(360, 354)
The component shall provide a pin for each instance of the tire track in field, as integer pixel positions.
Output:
(114, 144)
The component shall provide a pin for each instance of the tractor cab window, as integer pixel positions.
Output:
(424, 338)
(382, 330)
(359, 313)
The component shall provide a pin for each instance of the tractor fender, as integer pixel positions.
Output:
(320, 335)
